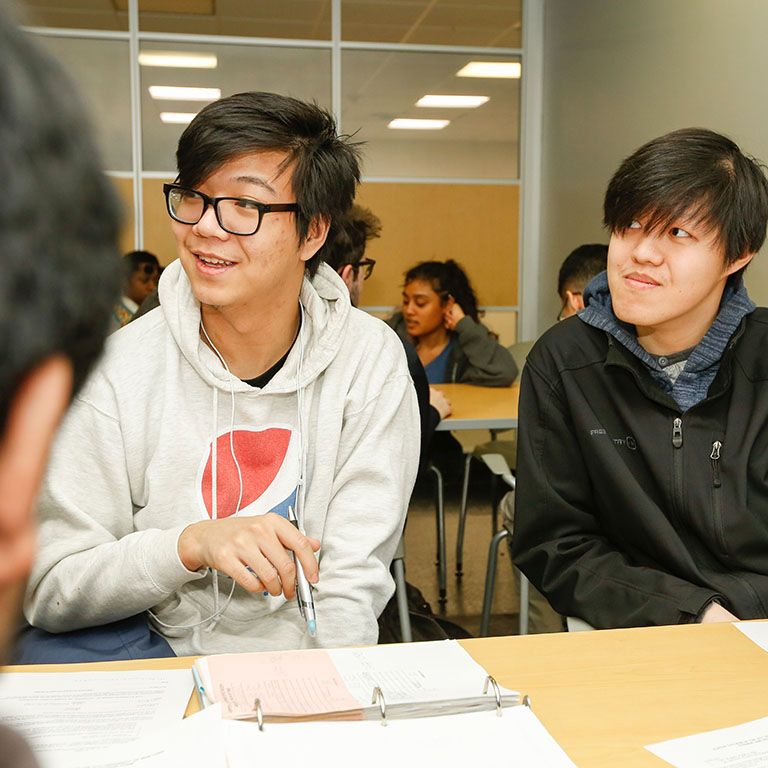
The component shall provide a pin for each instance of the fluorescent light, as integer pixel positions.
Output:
(182, 93)
(177, 59)
(177, 118)
(453, 102)
(407, 123)
(511, 69)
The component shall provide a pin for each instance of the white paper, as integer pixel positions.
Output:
(740, 746)
(69, 717)
(479, 738)
(196, 741)
(412, 672)
(757, 631)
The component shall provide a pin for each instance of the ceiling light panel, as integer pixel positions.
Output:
(177, 118)
(410, 124)
(184, 93)
(178, 59)
(502, 69)
(448, 101)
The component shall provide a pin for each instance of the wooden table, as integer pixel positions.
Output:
(604, 695)
(493, 408)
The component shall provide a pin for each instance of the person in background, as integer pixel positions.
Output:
(579, 267)
(345, 252)
(641, 493)
(141, 271)
(440, 316)
(254, 391)
(59, 223)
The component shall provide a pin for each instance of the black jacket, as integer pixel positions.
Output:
(628, 511)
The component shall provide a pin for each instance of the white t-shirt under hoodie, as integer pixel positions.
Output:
(134, 464)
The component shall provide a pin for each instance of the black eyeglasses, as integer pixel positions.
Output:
(236, 215)
(368, 265)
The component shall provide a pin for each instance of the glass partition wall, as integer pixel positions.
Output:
(432, 88)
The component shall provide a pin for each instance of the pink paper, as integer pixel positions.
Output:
(288, 684)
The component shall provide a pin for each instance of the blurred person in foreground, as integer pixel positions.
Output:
(59, 222)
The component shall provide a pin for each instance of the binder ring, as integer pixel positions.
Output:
(378, 698)
(259, 713)
(527, 701)
(496, 693)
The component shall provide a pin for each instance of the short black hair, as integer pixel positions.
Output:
(349, 236)
(695, 173)
(325, 166)
(133, 260)
(580, 266)
(59, 220)
(448, 279)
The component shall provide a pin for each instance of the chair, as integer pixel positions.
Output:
(507, 449)
(575, 624)
(499, 467)
(440, 517)
(401, 593)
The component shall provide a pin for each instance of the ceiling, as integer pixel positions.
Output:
(442, 22)
(377, 86)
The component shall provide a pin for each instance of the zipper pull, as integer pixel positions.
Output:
(715, 458)
(677, 433)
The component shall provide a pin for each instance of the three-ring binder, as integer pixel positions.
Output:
(377, 697)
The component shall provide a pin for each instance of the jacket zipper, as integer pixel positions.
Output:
(717, 496)
(677, 464)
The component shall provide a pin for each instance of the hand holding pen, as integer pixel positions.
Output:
(303, 589)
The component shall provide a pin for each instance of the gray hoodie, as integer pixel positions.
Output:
(135, 463)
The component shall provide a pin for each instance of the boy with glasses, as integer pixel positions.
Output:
(254, 394)
(141, 273)
(643, 439)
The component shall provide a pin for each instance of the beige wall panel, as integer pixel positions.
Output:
(477, 225)
(158, 237)
(125, 191)
(621, 73)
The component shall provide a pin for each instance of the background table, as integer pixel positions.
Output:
(604, 695)
(493, 408)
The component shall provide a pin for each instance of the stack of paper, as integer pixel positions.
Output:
(70, 718)
(415, 680)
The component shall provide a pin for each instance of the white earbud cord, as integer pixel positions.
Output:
(217, 612)
(300, 407)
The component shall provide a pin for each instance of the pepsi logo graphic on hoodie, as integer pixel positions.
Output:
(269, 464)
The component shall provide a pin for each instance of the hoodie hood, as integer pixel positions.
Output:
(326, 308)
(701, 367)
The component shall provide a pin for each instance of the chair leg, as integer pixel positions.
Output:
(494, 504)
(401, 596)
(440, 514)
(490, 580)
(524, 603)
(462, 516)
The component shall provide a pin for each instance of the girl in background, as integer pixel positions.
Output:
(441, 318)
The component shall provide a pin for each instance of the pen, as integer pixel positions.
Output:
(303, 589)
(202, 696)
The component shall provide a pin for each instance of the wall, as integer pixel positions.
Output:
(475, 224)
(620, 73)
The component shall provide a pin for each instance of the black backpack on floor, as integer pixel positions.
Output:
(425, 624)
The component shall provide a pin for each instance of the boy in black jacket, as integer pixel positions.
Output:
(643, 448)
